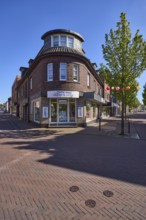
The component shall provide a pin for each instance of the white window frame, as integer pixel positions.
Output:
(57, 41)
(76, 73)
(50, 72)
(62, 41)
(68, 43)
(61, 69)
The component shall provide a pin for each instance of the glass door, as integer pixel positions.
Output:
(62, 110)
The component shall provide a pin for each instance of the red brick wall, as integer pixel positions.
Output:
(39, 76)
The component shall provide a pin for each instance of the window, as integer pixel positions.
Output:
(101, 91)
(63, 70)
(63, 41)
(88, 79)
(50, 71)
(36, 111)
(70, 42)
(72, 110)
(75, 73)
(55, 41)
(30, 83)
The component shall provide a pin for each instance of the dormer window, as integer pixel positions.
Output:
(63, 41)
(55, 41)
(70, 42)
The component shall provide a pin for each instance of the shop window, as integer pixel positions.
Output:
(72, 110)
(88, 110)
(37, 111)
(53, 110)
(50, 72)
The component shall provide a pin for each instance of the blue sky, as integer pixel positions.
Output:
(22, 24)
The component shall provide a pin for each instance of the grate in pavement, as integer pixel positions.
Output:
(90, 203)
(74, 188)
(108, 193)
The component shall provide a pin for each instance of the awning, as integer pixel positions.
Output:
(94, 96)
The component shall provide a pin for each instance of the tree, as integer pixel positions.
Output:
(125, 57)
(144, 95)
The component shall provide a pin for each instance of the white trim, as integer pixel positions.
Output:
(59, 40)
(68, 112)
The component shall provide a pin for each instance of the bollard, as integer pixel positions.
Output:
(99, 124)
(128, 125)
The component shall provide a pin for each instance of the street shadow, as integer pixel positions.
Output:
(138, 115)
(11, 122)
(116, 158)
(120, 159)
(13, 127)
(26, 134)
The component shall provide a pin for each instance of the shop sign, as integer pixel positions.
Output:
(63, 94)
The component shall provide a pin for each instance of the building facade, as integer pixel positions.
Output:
(61, 86)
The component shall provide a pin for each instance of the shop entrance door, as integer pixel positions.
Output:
(63, 111)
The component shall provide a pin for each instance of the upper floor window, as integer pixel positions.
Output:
(30, 83)
(100, 91)
(50, 72)
(55, 41)
(63, 71)
(88, 79)
(70, 42)
(76, 72)
(94, 86)
(62, 40)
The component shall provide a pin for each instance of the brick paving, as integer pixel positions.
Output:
(38, 167)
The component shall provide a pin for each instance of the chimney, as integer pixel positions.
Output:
(30, 62)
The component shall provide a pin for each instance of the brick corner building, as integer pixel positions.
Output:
(61, 87)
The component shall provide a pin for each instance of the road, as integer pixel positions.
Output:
(140, 123)
(38, 167)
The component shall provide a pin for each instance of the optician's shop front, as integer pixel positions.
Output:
(62, 107)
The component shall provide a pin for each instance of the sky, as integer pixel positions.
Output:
(22, 23)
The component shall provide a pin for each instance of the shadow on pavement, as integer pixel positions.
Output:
(120, 159)
(124, 160)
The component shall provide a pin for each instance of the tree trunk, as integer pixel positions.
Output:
(122, 114)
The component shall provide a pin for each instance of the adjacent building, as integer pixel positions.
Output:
(61, 86)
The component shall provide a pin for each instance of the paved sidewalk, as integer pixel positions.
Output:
(70, 174)
(108, 127)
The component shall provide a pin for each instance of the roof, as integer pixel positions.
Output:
(63, 31)
(51, 50)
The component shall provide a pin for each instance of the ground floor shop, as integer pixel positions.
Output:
(62, 108)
